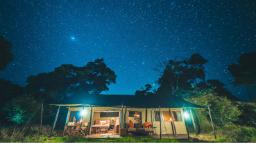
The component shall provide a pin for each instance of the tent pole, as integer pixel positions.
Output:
(186, 125)
(193, 121)
(125, 112)
(210, 115)
(146, 114)
(171, 122)
(56, 118)
(122, 117)
(160, 123)
(90, 123)
(151, 115)
(67, 119)
(41, 117)
(174, 127)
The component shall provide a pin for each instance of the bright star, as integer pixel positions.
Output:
(72, 38)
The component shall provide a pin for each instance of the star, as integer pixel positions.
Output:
(72, 38)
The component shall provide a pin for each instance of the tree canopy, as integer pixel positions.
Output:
(5, 52)
(9, 90)
(182, 75)
(244, 72)
(68, 79)
(147, 90)
(219, 89)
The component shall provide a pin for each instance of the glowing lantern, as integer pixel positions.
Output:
(186, 115)
(83, 112)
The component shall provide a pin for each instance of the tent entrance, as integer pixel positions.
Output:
(105, 123)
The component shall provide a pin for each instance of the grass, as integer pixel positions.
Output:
(122, 139)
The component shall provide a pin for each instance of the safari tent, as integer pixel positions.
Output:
(120, 115)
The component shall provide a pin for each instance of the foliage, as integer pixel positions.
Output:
(5, 52)
(8, 91)
(244, 72)
(219, 89)
(248, 114)
(27, 133)
(236, 133)
(66, 80)
(182, 75)
(223, 110)
(21, 110)
(146, 91)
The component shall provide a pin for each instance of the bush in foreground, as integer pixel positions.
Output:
(236, 133)
(32, 133)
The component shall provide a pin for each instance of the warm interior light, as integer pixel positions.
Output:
(186, 115)
(83, 112)
(136, 115)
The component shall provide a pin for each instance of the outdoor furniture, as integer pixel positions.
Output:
(76, 129)
(100, 128)
(147, 125)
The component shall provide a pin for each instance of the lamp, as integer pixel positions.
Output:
(186, 115)
(83, 112)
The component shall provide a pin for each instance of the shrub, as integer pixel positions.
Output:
(29, 133)
(239, 133)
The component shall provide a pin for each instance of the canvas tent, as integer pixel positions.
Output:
(129, 113)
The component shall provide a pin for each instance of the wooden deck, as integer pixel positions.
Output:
(107, 135)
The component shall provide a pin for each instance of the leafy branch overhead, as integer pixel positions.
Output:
(182, 75)
(68, 79)
(5, 53)
(244, 72)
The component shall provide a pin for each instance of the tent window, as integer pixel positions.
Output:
(74, 116)
(167, 116)
(177, 115)
(157, 116)
(131, 113)
(134, 114)
(109, 114)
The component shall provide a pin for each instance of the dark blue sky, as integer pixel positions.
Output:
(133, 36)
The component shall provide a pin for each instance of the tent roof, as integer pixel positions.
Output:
(129, 101)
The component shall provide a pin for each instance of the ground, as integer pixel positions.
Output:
(81, 139)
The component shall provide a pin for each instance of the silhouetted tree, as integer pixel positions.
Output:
(244, 72)
(68, 79)
(5, 52)
(248, 114)
(223, 110)
(8, 92)
(145, 91)
(182, 75)
(219, 89)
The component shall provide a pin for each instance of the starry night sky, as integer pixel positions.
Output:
(133, 36)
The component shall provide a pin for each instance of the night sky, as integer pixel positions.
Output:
(133, 36)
